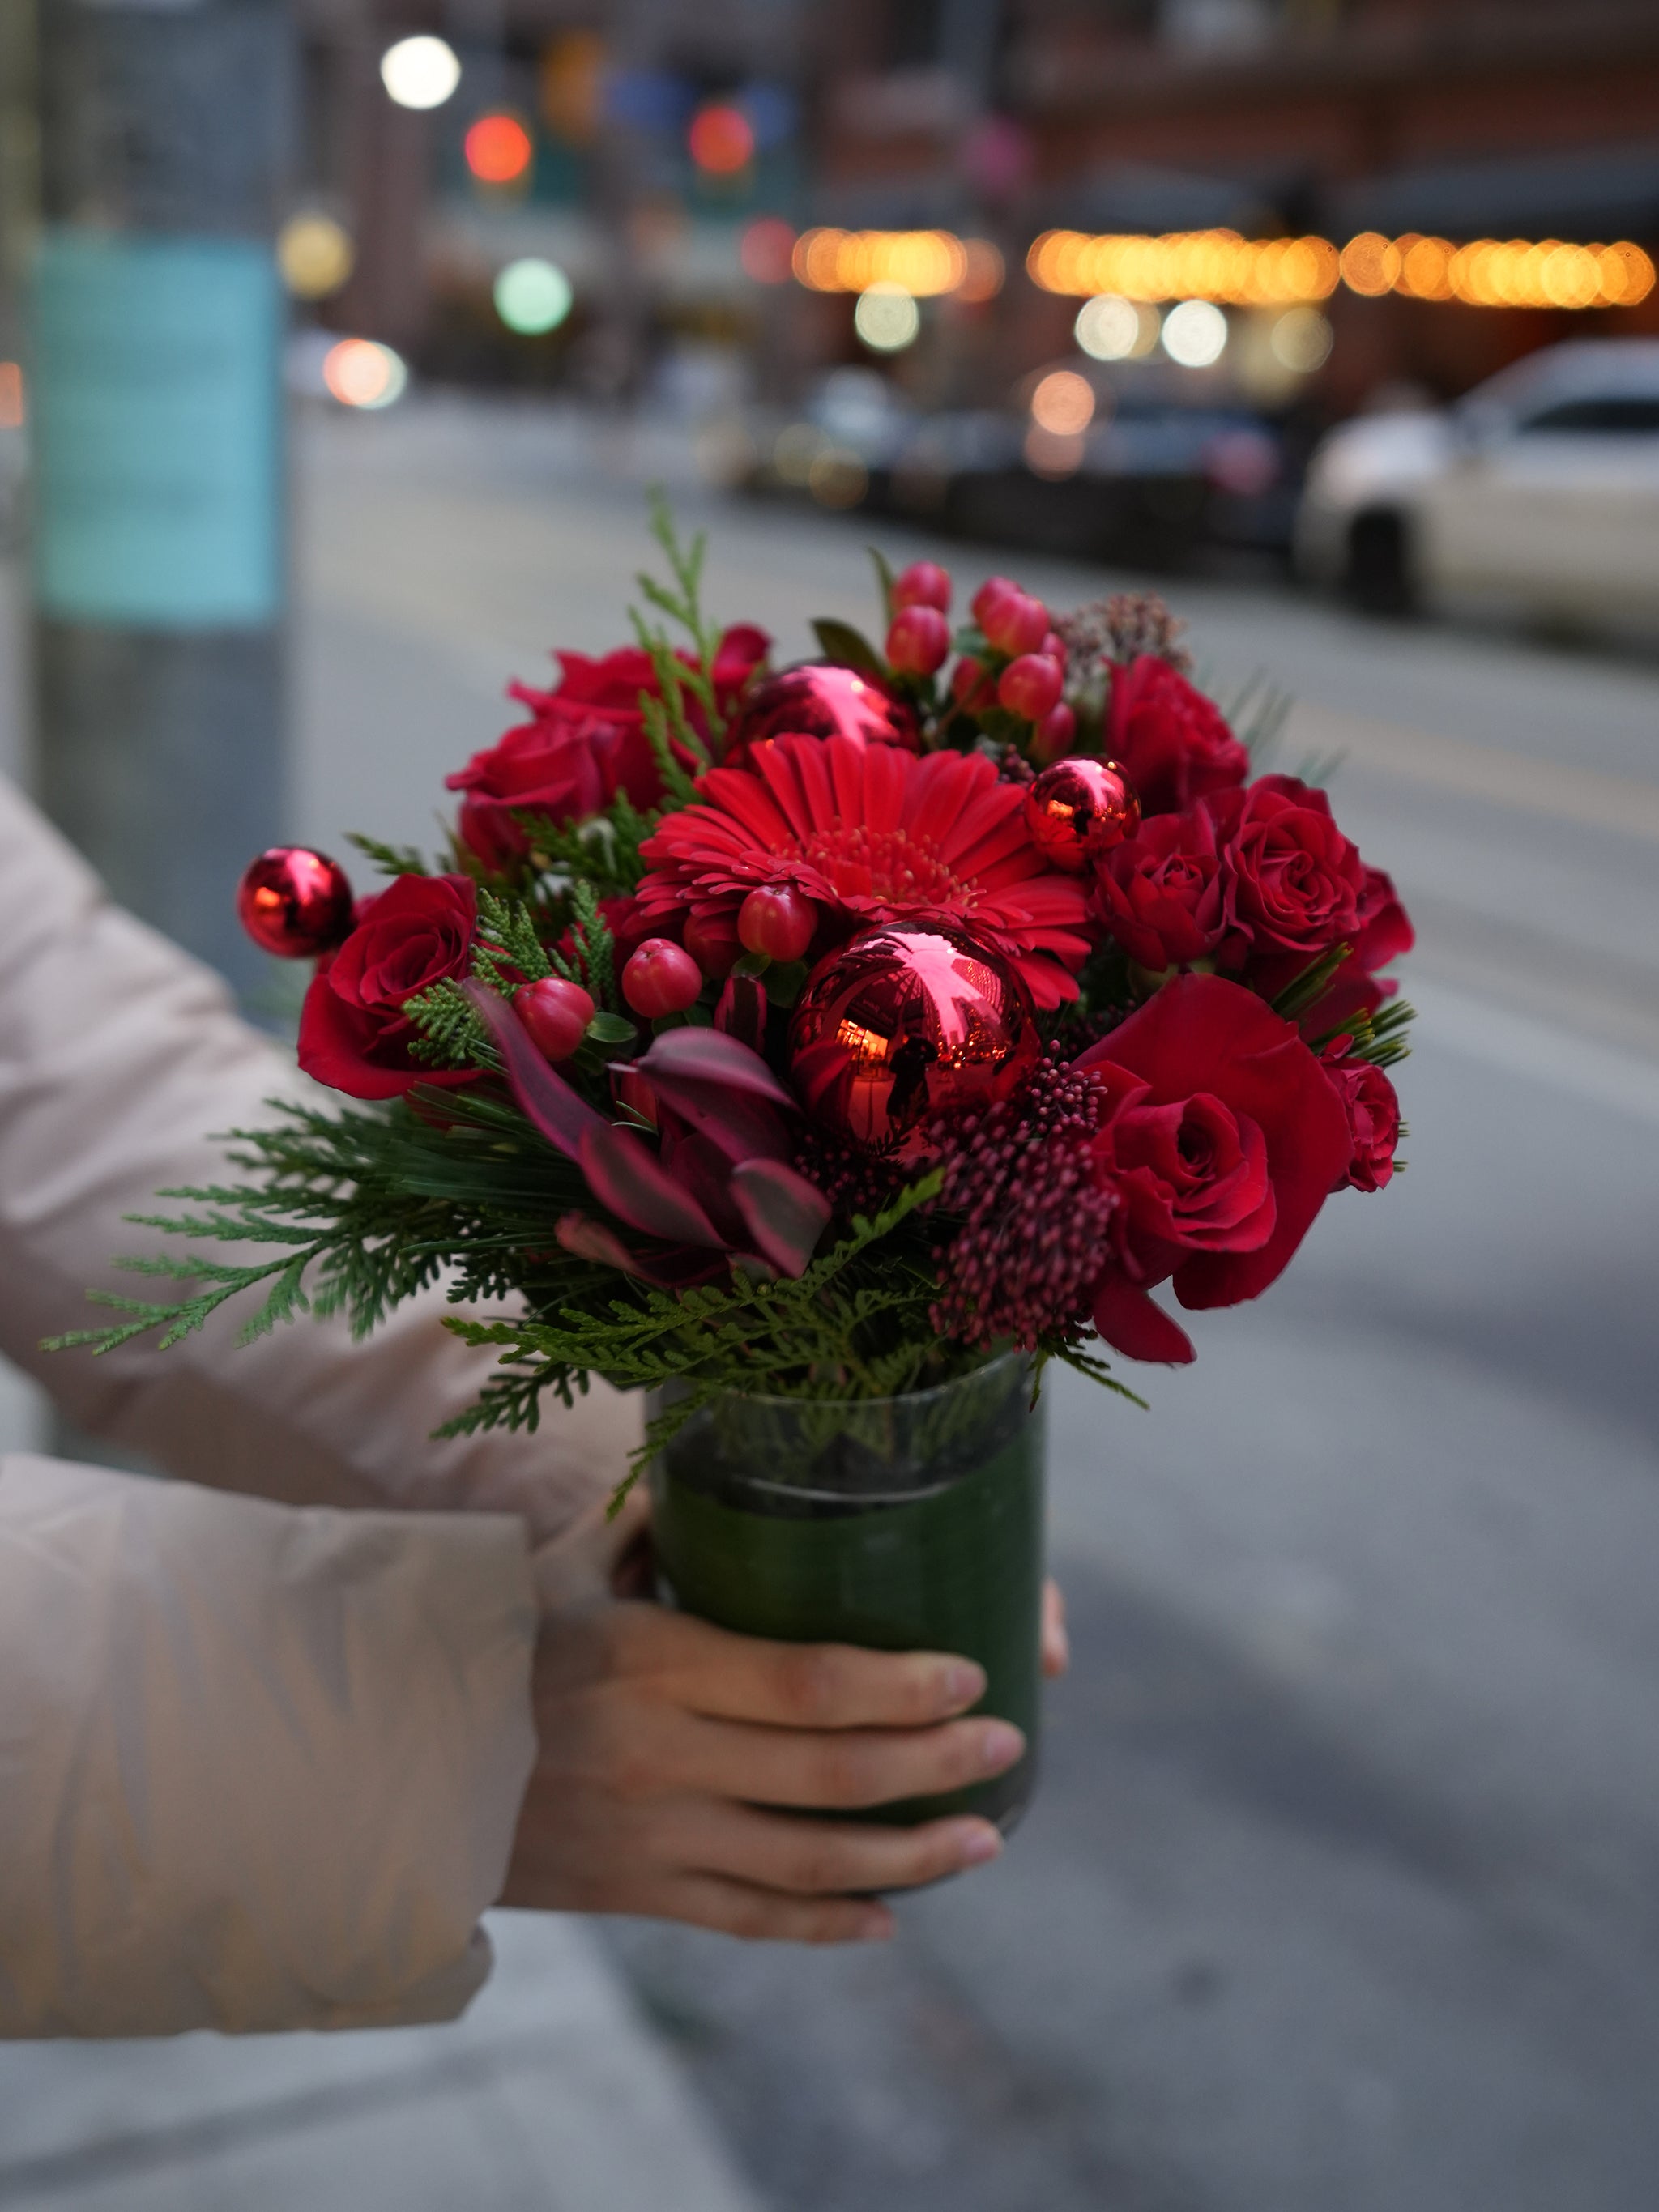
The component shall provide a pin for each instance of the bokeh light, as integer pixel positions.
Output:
(532, 295)
(1195, 334)
(887, 319)
(923, 263)
(722, 140)
(1107, 328)
(420, 72)
(984, 276)
(1063, 403)
(765, 250)
(498, 150)
(314, 254)
(362, 373)
(1197, 264)
(1301, 340)
(1054, 455)
(837, 477)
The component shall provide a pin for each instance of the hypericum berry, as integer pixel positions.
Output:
(715, 951)
(923, 584)
(660, 978)
(557, 1014)
(1015, 624)
(777, 922)
(991, 593)
(1054, 647)
(1031, 686)
(970, 687)
(919, 641)
(1054, 735)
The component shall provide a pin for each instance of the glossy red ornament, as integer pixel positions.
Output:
(556, 1012)
(820, 700)
(778, 921)
(904, 1023)
(295, 903)
(1078, 809)
(660, 978)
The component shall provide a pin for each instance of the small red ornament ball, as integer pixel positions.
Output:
(820, 700)
(295, 903)
(660, 978)
(1078, 809)
(918, 641)
(903, 1023)
(777, 922)
(1031, 686)
(556, 1012)
(923, 584)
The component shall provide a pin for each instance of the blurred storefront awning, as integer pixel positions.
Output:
(1612, 189)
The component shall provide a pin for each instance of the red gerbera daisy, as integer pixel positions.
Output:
(872, 834)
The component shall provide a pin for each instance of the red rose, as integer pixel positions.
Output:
(1291, 882)
(353, 1034)
(1173, 743)
(1370, 1101)
(1222, 1137)
(550, 765)
(586, 743)
(1159, 892)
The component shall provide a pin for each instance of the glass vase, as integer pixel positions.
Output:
(909, 1523)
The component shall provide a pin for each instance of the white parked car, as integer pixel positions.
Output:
(1538, 493)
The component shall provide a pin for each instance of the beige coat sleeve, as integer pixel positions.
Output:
(119, 1059)
(259, 1766)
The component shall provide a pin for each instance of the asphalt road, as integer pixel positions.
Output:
(1342, 1892)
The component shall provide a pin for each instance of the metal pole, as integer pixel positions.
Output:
(157, 432)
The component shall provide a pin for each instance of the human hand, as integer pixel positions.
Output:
(669, 1748)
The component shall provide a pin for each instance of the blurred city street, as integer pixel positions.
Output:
(1341, 1889)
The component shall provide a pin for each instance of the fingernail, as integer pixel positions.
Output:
(1000, 1745)
(875, 1927)
(979, 1844)
(965, 1682)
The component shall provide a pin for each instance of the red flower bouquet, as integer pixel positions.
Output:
(826, 1051)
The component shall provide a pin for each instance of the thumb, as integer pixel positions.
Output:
(579, 1567)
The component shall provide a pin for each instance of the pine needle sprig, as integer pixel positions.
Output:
(390, 860)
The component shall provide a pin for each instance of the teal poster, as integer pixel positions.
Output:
(157, 431)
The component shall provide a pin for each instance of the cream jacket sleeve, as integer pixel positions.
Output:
(259, 1766)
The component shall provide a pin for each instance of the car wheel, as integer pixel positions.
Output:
(1378, 573)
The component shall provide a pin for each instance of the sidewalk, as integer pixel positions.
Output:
(551, 2095)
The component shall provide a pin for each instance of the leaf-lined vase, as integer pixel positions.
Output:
(908, 1524)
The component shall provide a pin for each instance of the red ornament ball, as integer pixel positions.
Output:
(820, 700)
(777, 922)
(660, 978)
(556, 1012)
(903, 1023)
(295, 903)
(1078, 809)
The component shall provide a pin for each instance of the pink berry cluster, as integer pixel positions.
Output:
(1023, 669)
(1035, 1222)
